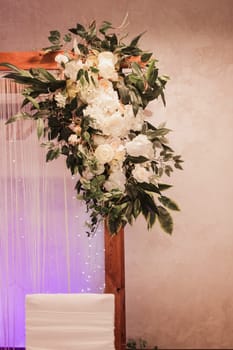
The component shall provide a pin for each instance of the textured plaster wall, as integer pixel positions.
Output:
(179, 288)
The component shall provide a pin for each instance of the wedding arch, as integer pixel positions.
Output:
(113, 245)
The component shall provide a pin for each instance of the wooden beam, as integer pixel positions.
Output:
(30, 59)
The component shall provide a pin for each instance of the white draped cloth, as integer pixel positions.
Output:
(70, 322)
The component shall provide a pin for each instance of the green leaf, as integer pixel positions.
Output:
(67, 38)
(114, 223)
(137, 160)
(18, 116)
(40, 127)
(80, 73)
(136, 208)
(79, 30)
(149, 187)
(163, 187)
(86, 76)
(169, 203)
(33, 101)
(47, 75)
(150, 69)
(165, 220)
(84, 50)
(105, 27)
(156, 133)
(94, 69)
(163, 98)
(11, 66)
(178, 166)
(52, 154)
(151, 218)
(136, 69)
(135, 41)
(146, 56)
(54, 37)
(52, 48)
(168, 170)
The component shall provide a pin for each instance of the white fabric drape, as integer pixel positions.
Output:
(43, 244)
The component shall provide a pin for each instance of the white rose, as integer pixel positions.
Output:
(106, 65)
(61, 59)
(73, 139)
(140, 146)
(116, 180)
(104, 153)
(141, 174)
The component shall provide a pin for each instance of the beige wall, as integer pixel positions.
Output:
(179, 288)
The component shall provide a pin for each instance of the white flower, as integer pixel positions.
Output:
(104, 153)
(116, 180)
(141, 174)
(72, 68)
(114, 125)
(61, 59)
(136, 122)
(60, 99)
(120, 154)
(73, 139)
(99, 139)
(140, 146)
(115, 165)
(106, 65)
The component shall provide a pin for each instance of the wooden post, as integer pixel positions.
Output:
(115, 282)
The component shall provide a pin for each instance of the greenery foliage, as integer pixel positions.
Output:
(102, 79)
(140, 344)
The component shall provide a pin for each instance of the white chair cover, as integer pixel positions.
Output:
(70, 322)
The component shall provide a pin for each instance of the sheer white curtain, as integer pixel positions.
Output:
(43, 244)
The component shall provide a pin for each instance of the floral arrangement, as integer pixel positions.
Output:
(92, 111)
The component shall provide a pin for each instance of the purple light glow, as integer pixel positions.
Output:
(43, 247)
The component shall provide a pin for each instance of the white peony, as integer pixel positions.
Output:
(141, 174)
(106, 65)
(61, 59)
(140, 146)
(116, 180)
(114, 125)
(104, 153)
